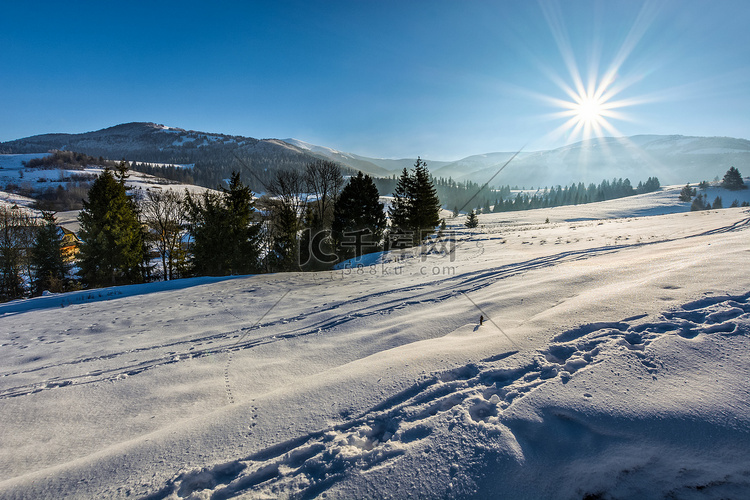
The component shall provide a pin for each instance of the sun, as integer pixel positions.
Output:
(593, 101)
(589, 110)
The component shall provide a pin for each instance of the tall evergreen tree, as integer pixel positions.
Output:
(121, 171)
(415, 210)
(284, 254)
(425, 205)
(244, 232)
(112, 248)
(472, 220)
(209, 231)
(47, 260)
(358, 218)
(225, 234)
(401, 206)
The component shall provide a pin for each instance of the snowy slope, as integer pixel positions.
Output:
(13, 171)
(612, 363)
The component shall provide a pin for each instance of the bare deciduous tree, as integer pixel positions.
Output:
(289, 188)
(17, 233)
(324, 181)
(164, 214)
(286, 210)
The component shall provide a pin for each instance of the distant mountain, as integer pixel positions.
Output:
(396, 166)
(376, 166)
(366, 165)
(215, 156)
(465, 168)
(673, 159)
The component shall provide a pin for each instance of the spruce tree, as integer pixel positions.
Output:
(47, 260)
(284, 254)
(121, 171)
(401, 206)
(687, 193)
(472, 221)
(400, 213)
(112, 248)
(244, 232)
(415, 210)
(358, 218)
(425, 205)
(210, 232)
(699, 203)
(225, 235)
(733, 180)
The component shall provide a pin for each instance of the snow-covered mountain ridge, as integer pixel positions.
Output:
(673, 159)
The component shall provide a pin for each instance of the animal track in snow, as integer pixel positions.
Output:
(377, 303)
(308, 465)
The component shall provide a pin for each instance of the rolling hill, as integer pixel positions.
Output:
(673, 159)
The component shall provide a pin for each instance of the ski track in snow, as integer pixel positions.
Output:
(308, 465)
(439, 291)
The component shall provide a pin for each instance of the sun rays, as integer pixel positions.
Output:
(592, 105)
(589, 112)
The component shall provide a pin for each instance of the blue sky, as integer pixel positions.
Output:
(440, 79)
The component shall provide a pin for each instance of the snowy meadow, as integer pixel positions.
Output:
(613, 362)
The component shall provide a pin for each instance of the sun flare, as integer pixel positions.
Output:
(594, 97)
(589, 110)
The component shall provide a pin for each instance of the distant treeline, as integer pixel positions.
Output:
(458, 196)
(178, 174)
(463, 195)
(575, 194)
(212, 172)
(67, 160)
(467, 195)
(257, 173)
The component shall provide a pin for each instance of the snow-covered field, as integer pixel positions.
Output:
(613, 362)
